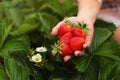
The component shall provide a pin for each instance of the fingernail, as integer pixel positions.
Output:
(85, 46)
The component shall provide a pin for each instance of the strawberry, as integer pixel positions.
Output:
(66, 37)
(77, 32)
(65, 49)
(76, 43)
(61, 49)
(64, 28)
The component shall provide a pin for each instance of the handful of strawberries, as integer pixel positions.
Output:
(71, 38)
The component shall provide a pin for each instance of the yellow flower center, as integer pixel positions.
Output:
(41, 49)
(37, 59)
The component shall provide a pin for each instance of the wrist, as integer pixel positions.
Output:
(88, 10)
(87, 18)
(100, 1)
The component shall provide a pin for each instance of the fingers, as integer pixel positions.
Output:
(89, 37)
(78, 53)
(55, 29)
(67, 58)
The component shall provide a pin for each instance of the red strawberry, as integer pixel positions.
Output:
(64, 28)
(65, 49)
(66, 37)
(77, 32)
(76, 43)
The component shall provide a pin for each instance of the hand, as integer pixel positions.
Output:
(88, 36)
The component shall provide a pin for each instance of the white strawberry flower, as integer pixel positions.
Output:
(37, 58)
(41, 49)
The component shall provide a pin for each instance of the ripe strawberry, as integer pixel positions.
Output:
(61, 49)
(64, 28)
(65, 49)
(66, 37)
(77, 32)
(76, 43)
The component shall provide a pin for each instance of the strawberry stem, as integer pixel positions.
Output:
(83, 26)
(69, 23)
(57, 48)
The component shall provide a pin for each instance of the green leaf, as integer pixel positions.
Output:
(68, 4)
(3, 75)
(15, 15)
(103, 24)
(108, 50)
(117, 77)
(21, 57)
(82, 63)
(69, 7)
(57, 79)
(65, 9)
(38, 5)
(48, 21)
(109, 69)
(92, 72)
(15, 44)
(23, 29)
(72, 12)
(15, 70)
(57, 7)
(100, 36)
(1, 11)
(38, 75)
(73, 76)
(63, 74)
(76, 76)
(5, 30)
(28, 25)
(50, 67)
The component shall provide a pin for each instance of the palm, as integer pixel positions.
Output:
(88, 36)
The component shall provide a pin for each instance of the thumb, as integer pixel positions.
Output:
(55, 29)
(89, 37)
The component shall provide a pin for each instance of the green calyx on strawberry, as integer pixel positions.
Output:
(61, 49)
(83, 27)
(56, 48)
